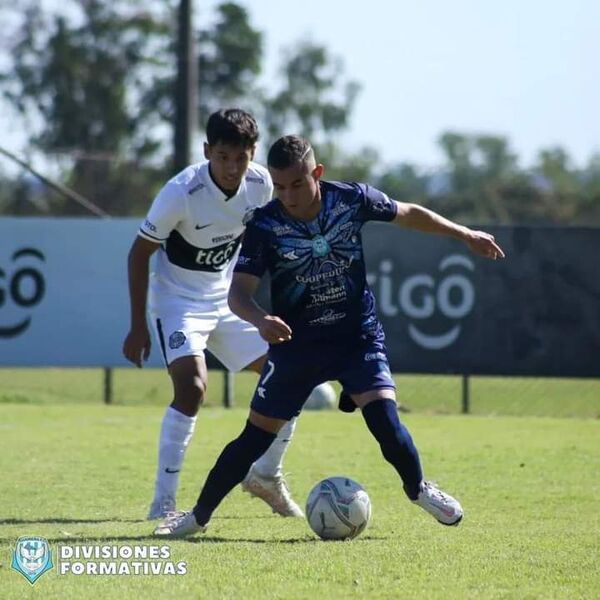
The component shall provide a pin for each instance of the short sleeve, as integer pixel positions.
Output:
(166, 211)
(252, 257)
(376, 206)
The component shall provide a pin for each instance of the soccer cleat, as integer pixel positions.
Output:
(274, 491)
(179, 524)
(161, 507)
(440, 505)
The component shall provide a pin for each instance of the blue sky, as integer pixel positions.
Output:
(527, 69)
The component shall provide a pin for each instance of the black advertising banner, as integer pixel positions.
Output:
(444, 310)
(63, 302)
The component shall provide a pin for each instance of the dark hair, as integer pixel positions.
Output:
(232, 126)
(289, 150)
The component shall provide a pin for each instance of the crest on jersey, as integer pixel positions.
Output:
(320, 246)
(176, 340)
(32, 557)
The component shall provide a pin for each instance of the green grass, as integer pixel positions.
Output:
(83, 474)
(431, 394)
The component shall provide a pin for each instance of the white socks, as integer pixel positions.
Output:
(175, 435)
(269, 464)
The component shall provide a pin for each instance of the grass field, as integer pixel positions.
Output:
(78, 472)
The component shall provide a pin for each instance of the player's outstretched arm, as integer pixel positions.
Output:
(418, 217)
(136, 347)
(241, 302)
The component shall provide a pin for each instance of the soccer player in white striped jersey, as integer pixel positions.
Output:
(195, 225)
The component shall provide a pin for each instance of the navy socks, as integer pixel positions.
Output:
(395, 442)
(230, 469)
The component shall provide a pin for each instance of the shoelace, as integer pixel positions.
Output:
(175, 514)
(436, 492)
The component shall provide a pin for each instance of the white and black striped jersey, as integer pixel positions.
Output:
(200, 229)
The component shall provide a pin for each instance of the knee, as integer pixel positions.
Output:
(189, 395)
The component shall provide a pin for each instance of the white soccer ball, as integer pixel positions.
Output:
(338, 508)
(323, 397)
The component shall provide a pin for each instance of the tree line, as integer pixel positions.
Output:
(96, 80)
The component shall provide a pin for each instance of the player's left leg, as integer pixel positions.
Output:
(238, 345)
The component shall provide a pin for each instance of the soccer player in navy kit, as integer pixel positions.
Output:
(323, 324)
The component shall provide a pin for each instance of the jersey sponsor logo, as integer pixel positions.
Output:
(216, 259)
(243, 260)
(199, 227)
(375, 356)
(149, 225)
(222, 238)
(252, 179)
(176, 340)
(328, 318)
(187, 256)
(198, 186)
(336, 270)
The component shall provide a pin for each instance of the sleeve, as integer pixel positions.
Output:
(252, 257)
(167, 210)
(376, 206)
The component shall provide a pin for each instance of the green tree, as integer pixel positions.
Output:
(82, 78)
(315, 100)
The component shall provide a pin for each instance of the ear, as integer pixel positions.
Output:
(318, 171)
(206, 151)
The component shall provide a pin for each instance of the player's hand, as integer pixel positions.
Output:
(273, 330)
(137, 346)
(484, 244)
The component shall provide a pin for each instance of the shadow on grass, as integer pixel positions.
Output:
(75, 540)
(83, 520)
(54, 520)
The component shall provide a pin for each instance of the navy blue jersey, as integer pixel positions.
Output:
(317, 268)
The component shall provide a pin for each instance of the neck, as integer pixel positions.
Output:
(228, 192)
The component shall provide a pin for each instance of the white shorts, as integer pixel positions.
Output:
(186, 327)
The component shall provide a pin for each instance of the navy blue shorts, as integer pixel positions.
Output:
(293, 370)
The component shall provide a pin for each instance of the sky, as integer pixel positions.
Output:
(525, 69)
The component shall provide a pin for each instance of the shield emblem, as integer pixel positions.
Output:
(320, 246)
(32, 557)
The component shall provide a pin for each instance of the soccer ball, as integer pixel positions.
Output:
(338, 508)
(323, 397)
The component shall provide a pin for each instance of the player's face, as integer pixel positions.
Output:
(228, 164)
(297, 188)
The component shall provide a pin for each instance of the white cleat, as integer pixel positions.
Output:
(179, 524)
(443, 507)
(161, 507)
(274, 491)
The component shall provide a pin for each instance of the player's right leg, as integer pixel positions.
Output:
(279, 396)
(182, 330)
